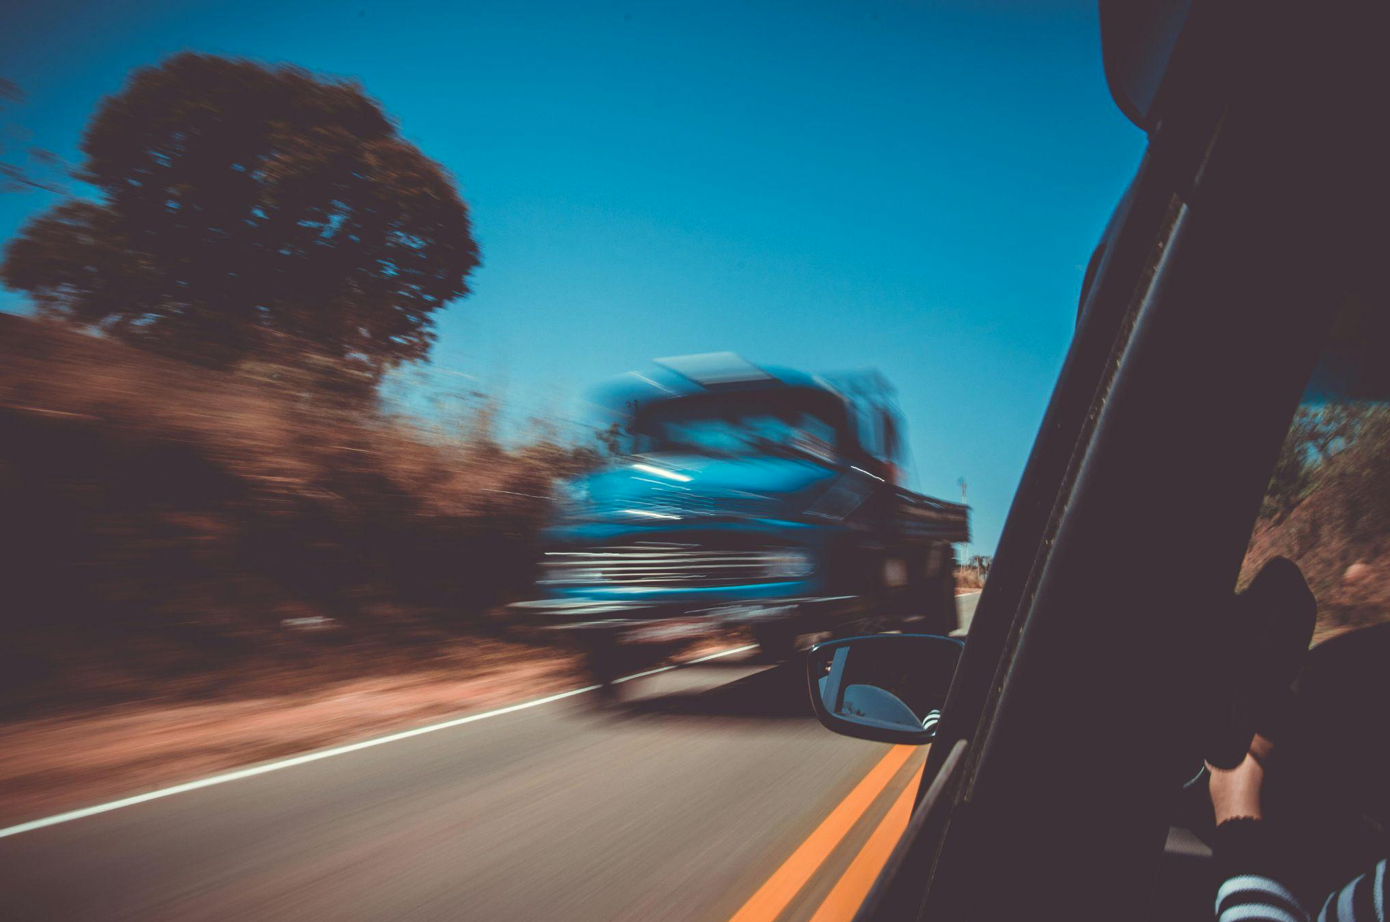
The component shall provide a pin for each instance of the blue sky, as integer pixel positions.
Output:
(825, 185)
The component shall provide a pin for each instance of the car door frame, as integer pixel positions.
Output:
(1083, 692)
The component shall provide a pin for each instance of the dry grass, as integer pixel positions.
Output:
(170, 523)
(969, 579)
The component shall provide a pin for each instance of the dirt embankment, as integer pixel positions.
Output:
(82, 758)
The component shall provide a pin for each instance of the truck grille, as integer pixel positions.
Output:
(662, 503)
(678, 504)
(671, 566)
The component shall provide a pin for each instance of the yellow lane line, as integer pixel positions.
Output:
(859, 877)
(786, 882)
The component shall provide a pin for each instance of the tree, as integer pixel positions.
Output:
(1318, 433)
(24, 167)
(245, 207)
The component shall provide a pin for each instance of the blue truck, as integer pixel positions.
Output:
(745, 497)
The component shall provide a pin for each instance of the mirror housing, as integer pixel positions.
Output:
(1137, 40)
(883, 687)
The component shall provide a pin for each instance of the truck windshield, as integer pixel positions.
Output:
(735, 426)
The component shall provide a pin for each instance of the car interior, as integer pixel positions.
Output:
(1237, 281)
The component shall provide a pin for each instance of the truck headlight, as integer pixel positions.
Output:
(789, 563)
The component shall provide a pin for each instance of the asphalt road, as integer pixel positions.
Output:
(965, 609)
(707, 793)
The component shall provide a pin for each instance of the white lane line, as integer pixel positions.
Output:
(689, 662)
(335, 751)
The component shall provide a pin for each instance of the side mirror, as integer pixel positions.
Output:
(884, 687)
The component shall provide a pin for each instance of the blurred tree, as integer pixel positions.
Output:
(248, 210)
(1318, 432)
(24, 167)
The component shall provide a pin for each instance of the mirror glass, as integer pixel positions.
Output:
(888, 687)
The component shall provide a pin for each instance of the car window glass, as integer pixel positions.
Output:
(1327, 508)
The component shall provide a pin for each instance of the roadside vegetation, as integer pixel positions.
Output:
(1328, 509)
(972, 574)
(204, 493)
(176, 530)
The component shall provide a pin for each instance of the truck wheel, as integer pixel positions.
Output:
(939, 603)
(776, 643)
(603, 663)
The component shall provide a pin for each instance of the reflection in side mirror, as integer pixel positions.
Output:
(884, 687)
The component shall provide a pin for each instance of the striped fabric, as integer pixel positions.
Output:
(1362, 900)
(1255, 898)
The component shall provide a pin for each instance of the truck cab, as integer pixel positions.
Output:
(744, 497)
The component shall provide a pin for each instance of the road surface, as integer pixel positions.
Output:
(965, 609)
(709, 793)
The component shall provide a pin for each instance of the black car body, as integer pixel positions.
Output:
(1246, 246)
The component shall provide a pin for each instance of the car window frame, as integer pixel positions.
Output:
(1134, 305)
